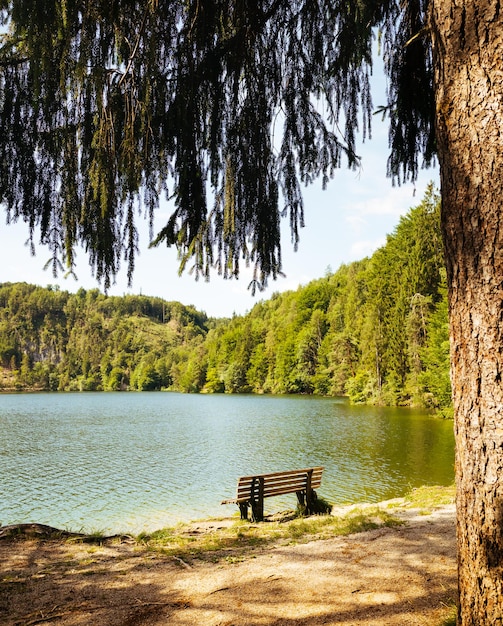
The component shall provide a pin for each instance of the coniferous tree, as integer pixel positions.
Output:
(103, 102)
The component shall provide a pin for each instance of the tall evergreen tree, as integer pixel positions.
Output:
(103, 101)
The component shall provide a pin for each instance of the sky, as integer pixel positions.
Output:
(343, 223)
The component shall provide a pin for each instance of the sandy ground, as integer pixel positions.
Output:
(399, 576)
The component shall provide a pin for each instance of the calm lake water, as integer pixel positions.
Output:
(117, 462)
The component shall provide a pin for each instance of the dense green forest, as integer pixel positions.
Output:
(375, 330)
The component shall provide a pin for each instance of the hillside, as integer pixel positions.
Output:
(375, 330)
(55, 340)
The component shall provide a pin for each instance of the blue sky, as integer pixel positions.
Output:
(345, 222)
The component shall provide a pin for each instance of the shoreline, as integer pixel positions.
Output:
(399, 569)
(423, 501)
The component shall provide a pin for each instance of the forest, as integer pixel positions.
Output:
(375, 330)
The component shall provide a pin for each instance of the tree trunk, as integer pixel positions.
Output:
(467, 38)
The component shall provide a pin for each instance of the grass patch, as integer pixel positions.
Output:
(239, 540)
(428, 498)
(320, 506)
(357, 520)
(450, 620)
(183, 542)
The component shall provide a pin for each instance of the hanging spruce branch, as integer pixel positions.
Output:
(226, 107)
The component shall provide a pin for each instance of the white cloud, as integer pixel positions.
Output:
(356, 223)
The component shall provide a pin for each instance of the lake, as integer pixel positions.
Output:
(126, 462)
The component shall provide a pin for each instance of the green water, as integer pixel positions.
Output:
(125, 462)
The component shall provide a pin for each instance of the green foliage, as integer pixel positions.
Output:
(451, 619)
(375, 330)
(105, 106)
(242, 537)
(428, 497)
(362, 387)
(320, 506)
(90, 342)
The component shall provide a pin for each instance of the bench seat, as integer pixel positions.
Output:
(252, 490)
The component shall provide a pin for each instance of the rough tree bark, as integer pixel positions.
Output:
(467, 40)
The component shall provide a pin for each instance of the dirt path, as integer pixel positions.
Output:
(403, 576)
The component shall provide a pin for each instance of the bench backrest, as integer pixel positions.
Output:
(278, 483)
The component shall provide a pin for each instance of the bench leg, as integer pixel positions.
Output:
(257, 507)
(243, 509)
(307, 500)
(257, 499)
(311, 502)
(301, 498)
(310, 493)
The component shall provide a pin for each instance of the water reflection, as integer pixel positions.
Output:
(117, 462)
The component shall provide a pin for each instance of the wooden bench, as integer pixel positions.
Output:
(252, 490)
